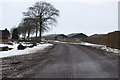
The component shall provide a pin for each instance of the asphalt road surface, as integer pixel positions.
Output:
(64, 61)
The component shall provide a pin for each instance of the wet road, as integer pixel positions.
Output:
(75, 61)
(70, 61)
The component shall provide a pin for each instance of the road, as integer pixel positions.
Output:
(66, 61)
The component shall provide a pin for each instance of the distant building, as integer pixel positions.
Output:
(4, 35)
(77, 35)
(54, 36)
(60, 36)
(96, 35)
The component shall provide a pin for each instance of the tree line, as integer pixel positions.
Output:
(38, 19)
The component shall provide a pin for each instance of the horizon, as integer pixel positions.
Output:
(96, 17)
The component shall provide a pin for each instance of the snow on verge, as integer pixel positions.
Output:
(14, 51)
(103, 47)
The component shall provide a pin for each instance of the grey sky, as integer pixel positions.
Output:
(75, 16)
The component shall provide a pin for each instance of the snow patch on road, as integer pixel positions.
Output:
(14, 51)
(103, 47)
(60, 42)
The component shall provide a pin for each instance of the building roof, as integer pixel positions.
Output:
(77, 35)
(4, 32)
(54, 35)
(96, 35)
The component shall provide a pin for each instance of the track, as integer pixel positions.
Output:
(68, 61)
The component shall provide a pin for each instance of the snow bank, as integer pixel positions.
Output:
(103, 47)
(10, 46)
(14, 51)
(60, 41)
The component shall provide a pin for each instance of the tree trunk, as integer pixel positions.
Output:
(24, 36)
(28, 35)
(36, 31)
(40, 31)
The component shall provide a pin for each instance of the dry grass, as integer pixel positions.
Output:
(69, 40)
(111, 39)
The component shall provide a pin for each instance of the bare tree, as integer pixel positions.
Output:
(44, 14)
(26, 27)
(29, 24)
(22, 30)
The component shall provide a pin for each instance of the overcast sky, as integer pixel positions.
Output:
(76, 16)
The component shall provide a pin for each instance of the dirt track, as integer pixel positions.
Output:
(63, 61)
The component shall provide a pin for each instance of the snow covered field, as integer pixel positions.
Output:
(14, 51)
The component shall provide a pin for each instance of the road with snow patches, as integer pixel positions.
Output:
(63, 61)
